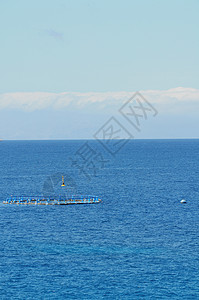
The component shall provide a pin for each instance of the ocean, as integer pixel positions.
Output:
(139, 243)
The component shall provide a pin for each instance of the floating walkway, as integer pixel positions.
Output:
(51, 201)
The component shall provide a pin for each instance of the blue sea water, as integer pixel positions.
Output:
(139, 243)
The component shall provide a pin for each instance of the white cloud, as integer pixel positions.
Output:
(74, 115)
(41, 100)
(179, 94)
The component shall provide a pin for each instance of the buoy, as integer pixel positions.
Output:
(183, 201)
(63, 181)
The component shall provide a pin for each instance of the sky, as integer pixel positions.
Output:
(67, 66)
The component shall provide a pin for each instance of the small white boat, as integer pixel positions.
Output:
(183, 201)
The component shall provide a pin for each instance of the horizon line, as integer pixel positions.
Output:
(85, 139)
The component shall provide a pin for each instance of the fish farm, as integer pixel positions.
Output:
(51, 201)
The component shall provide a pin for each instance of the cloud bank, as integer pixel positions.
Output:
(171, 100)
(73, 115)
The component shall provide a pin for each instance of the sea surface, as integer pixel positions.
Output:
(139, 243)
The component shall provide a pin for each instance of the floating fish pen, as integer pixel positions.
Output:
(51, 201)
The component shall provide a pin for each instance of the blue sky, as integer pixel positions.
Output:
(92, 46)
